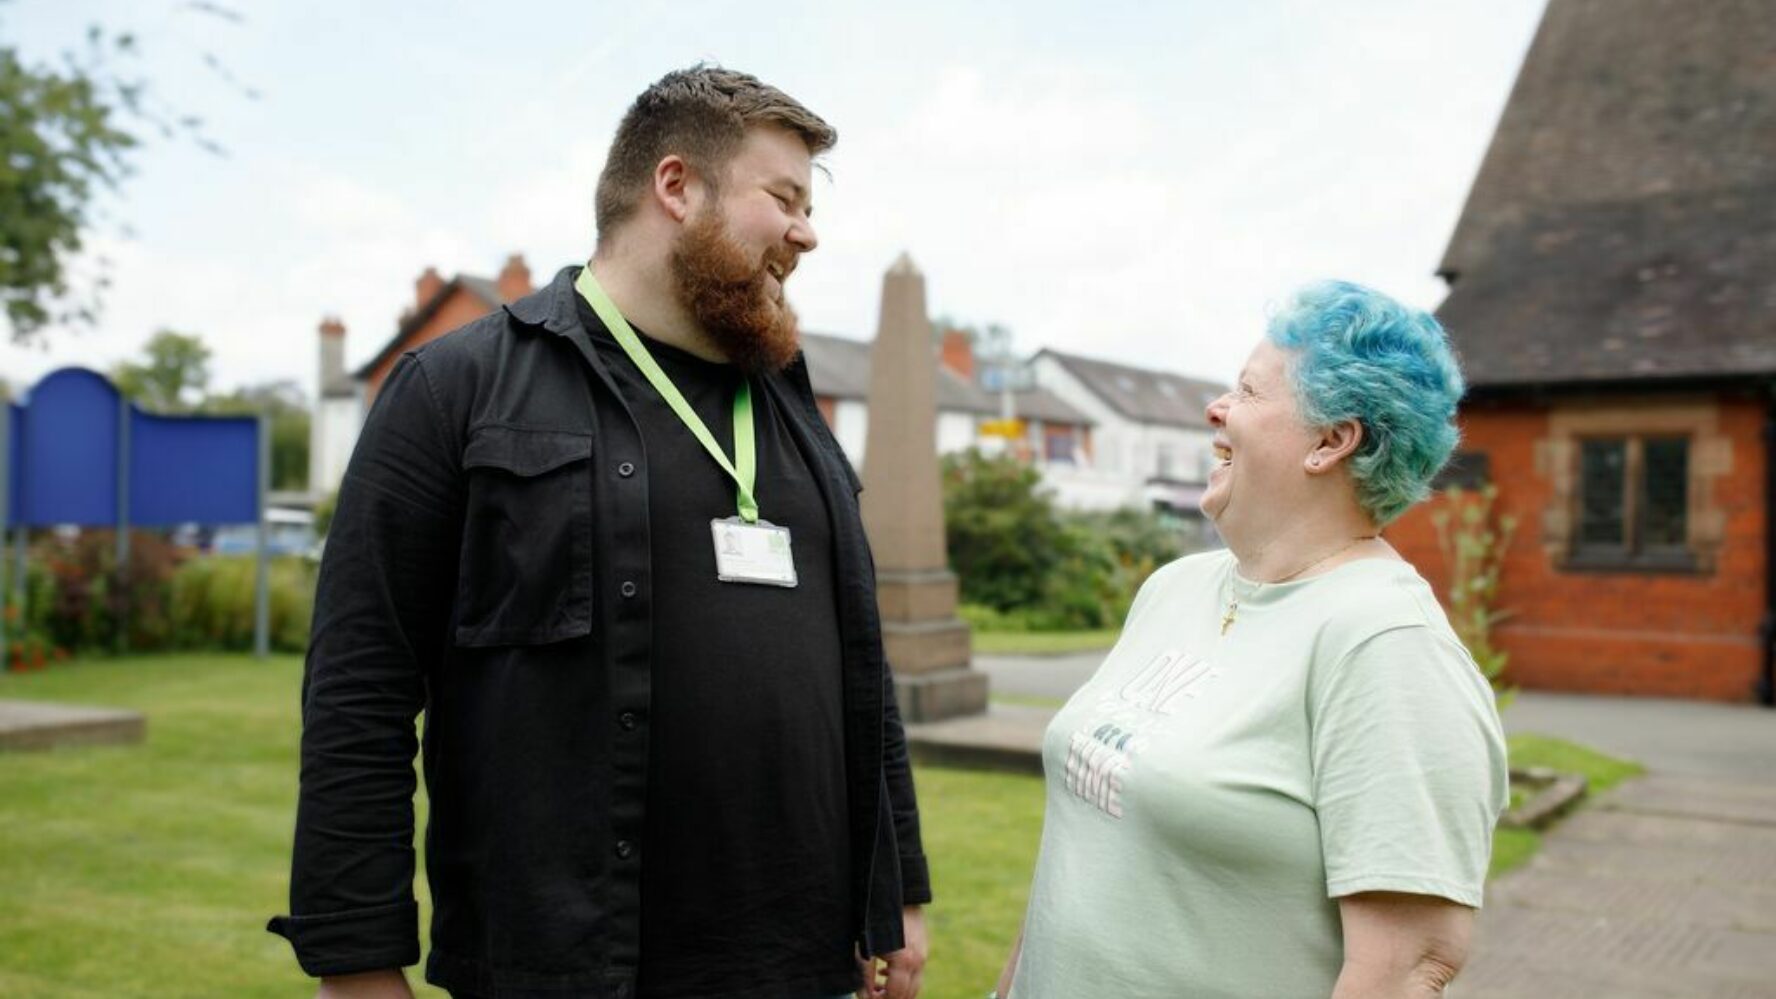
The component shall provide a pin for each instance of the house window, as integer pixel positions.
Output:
(1470, 470)
(1167, 458)
(1058, 447)
(1633, 502)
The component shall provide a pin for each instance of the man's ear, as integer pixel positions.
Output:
(676, 187)
(1337, 443)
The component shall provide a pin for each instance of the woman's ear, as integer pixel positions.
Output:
(1337, 442)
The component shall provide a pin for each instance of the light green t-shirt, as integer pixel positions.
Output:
(1210, 796)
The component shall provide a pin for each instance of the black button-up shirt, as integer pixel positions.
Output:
(488, 563)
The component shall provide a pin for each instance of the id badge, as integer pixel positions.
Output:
(752, 553)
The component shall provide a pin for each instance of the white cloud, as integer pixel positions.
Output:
(1144, 209)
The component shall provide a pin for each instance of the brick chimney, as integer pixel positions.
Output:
(427, 287)
(957, 353)
(514, 279)
(332, 371)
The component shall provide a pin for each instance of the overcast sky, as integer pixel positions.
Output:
(1130, 180)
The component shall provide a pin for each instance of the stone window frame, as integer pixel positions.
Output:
(1710, 458)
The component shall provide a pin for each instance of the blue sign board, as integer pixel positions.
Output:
(193, 470)
(74, 436)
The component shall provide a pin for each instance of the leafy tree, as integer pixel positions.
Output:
(173, 375)
(60, 137)
(68, 131)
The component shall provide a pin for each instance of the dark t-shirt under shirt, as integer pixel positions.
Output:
(745, 878)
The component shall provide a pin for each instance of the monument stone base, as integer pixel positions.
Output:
(928, 646)
(950, 693)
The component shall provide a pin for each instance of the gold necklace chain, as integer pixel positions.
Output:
(1233, 597)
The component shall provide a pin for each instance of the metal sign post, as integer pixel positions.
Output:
(121, 600)
(262, 601)
(5, 509)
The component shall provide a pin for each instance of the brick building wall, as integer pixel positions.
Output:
(1670, 633)
(461, 308)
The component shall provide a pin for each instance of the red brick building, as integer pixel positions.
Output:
(441, 306)
(1613, 297)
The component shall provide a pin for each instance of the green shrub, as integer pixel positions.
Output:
(212, 603)
(76, 596)
(1474, 537)
(324, 510)
(1003, 536)
(1025, 566)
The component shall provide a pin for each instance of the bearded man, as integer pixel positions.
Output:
(604, 540)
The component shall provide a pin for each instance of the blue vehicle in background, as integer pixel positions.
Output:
(287, 532)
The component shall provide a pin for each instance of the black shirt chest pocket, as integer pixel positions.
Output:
(525, 577)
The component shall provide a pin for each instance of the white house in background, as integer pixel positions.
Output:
(1103, 436)
(338, 415)
(1152, 444)
(1055, 434)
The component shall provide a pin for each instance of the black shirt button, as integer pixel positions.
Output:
(628, 588)
(626, 469)
(624, 849)
(627, 720)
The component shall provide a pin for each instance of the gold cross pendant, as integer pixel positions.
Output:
(1227, 618)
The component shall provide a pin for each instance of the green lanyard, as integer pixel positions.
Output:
(743, 469)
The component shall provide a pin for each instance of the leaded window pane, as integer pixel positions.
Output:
(1602, 474)
(1664, 492)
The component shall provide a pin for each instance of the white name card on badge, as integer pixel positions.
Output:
(752, 553)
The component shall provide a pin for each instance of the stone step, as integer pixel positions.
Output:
(1004, 737)
(27, 725)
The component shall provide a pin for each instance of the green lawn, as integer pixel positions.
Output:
(1513, 847)
(1604, 772)
(150, 870)
(1043, 643)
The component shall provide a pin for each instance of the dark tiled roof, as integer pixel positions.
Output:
(1667, 287)
(840, 367)
(1142, 394)
(1623, 222)
(1623, 99)
(486, 289)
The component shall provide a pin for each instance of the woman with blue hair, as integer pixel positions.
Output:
(1283, 781)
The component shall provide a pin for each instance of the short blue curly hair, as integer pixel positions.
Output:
(1358, 354)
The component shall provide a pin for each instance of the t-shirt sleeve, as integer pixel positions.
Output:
(1409, 768)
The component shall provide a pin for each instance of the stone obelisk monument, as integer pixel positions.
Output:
(927, 645)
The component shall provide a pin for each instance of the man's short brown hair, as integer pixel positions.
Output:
(701, 114)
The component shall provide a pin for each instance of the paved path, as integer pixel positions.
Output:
(1665, 888)
(1051, 677)
(1673, 738)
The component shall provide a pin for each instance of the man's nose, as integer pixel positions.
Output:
(802, 236)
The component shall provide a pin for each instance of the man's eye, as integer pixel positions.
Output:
(782, 202)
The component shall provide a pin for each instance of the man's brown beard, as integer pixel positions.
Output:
(724, 290)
